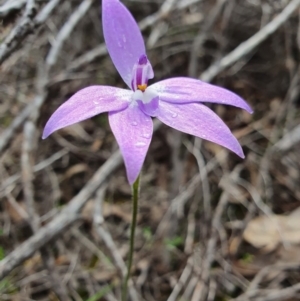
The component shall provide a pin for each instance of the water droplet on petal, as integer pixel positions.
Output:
(174, 115)
(204, 136)
(119, 44)
(140, 144)
(95, 102)
(134, 123)
(124, 39)
(147, 136)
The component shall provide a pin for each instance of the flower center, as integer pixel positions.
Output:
(142, 71)
(142, 87)
(147, 100)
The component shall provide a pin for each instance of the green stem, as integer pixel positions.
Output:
(135, 198)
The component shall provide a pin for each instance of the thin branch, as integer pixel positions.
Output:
(11, 5)
(26, 26)
(200, 38)
(211, 247)
(38, 167)
(249, 45)
(66, 30)
(32, 110)
(185, 275)
(17, 122)
(28, 188)
(68, 216)
(27, 174)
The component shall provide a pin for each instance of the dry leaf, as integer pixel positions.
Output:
(268, 231)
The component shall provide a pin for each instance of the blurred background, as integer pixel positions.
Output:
(210, 226)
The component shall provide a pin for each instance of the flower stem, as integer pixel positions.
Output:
(135, 197)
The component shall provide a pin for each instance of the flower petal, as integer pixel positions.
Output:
(187, 90)
(122, 36)
(142, 71)
(87, 103)
(198, 120)
(149, 108)
(133, 131)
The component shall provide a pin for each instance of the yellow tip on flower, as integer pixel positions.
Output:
(142, 87)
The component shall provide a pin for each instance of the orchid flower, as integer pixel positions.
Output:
(177, 102)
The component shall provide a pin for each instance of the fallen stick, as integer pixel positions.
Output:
(247, 46)
(67, 216)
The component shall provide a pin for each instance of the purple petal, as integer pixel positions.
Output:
(123, 38)
(149, 108)
(188, 90)
(133, 131)
(87, 103)
(198, 120)
(142, 71)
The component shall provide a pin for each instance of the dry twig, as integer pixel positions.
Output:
(27, 25)
(68, 216)
(249, 45)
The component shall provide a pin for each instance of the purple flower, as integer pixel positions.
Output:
(176, 102)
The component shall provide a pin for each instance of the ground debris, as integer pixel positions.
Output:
(210, 226)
